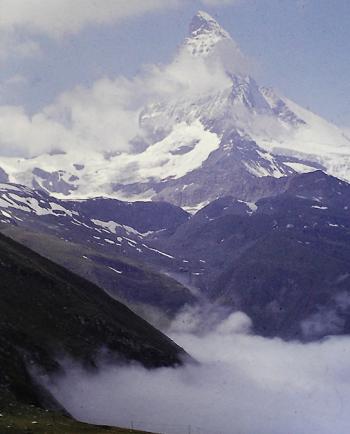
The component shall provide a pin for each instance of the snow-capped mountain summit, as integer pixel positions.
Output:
(202, 22)
(219, 133)
(205, 34)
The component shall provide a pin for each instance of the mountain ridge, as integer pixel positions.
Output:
(184, 137)
(103, 240)
(204, 34)
(283, 260)
(297, 237)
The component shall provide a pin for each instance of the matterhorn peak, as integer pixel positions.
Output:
(205, 34)
(203, 22)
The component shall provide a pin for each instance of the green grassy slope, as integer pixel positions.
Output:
(16, 418)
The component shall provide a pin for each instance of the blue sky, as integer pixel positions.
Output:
(301, 47)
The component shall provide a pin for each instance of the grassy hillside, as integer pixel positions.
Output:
(19, 418)
(47, 312)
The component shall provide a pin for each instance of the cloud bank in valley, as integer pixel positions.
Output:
(244, 384)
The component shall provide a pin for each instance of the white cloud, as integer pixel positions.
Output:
(13, 45)
(11, 86)
(21, 21)
(346, 130)
(244, 384)
(210, 3)
(105, 117)
(57, 18)
(15, 80)
(21, 134)
(12, 83)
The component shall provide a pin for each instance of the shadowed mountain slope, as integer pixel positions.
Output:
(283, 260)
(47, 313)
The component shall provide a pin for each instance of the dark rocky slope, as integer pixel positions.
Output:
(46, 312)
(103, 241)
(284, 260)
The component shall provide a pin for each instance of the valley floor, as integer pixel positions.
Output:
(23, 419)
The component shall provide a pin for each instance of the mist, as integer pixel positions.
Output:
(242, 384)
(104, 117)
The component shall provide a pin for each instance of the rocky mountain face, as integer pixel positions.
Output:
(234, 138)
(204, 35)
(48, 313)
(283, 260)
(103, 240)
